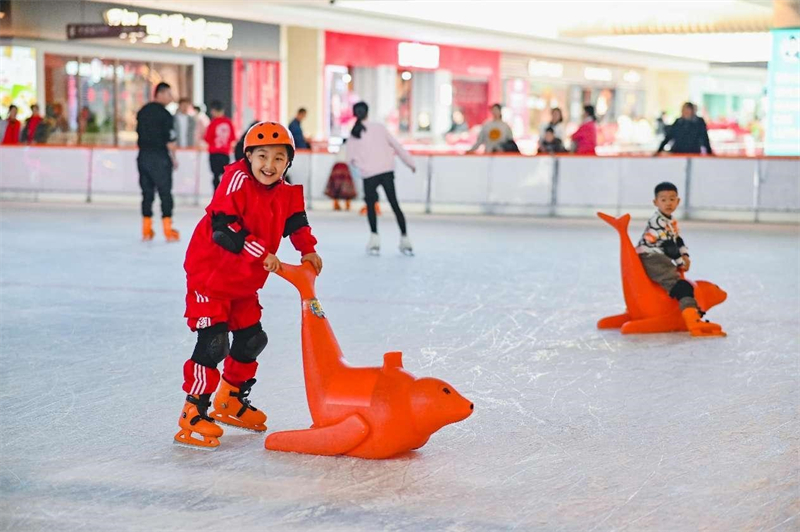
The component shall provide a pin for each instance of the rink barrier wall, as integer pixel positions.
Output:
(712, 188)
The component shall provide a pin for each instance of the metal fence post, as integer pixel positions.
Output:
(687, 204)
(89, 180)
(554, 186)
(757, 190)
(430, 184)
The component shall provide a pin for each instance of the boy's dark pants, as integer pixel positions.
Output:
(155, 174)
(661, 269)
(218, 162)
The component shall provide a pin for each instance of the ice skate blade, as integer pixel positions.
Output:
(244, 429)
(195, 447)
(182, 439)
(374, 252)
(407, 252)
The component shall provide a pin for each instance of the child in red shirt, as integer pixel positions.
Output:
(220, 136)
(229, 258)
(11, 134)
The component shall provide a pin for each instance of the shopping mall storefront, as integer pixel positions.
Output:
(532, 86)
(91, 89)
(425, 93)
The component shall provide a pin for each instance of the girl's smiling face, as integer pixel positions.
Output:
(268, 163)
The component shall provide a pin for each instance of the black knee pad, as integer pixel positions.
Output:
(212, 345)
(248, 343)
(682, 289)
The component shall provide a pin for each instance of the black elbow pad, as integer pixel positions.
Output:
(671, 249)
(227, 233)
(295, 222)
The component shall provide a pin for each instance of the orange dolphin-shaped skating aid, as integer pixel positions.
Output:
(362, 412)
(649, 307)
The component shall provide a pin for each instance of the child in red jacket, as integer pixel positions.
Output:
(220, 136)
(229, 258)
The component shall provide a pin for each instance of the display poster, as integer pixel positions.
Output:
(17, 80)
(783, 91)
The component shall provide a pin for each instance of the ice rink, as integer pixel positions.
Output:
(574, 429)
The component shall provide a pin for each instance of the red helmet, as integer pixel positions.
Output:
(269, 134)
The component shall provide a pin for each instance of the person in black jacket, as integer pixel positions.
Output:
(156, 160)
(688, 134)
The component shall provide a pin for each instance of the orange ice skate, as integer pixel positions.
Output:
(699, 327)
(194, 418)
(147, 229)
(363, 211)
(232, 407)
(169, 233)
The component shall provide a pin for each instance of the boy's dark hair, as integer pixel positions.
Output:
(550, 130)
(666, 186)
(216, 105)
(302, 110)
(498, 106)
(161, 87)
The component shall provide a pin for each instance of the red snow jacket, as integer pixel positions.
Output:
(250, 218)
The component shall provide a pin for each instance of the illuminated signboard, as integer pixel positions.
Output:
(597, 74)
(411, 54)
(545, 69)
(178, 29)
(783, 114)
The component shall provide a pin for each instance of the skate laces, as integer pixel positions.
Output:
(242, 394)
(202, 403)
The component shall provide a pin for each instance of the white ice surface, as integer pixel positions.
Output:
(574, 429)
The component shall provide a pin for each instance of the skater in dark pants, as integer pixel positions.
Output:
(156, 160)
(220, 137)
(371, 149)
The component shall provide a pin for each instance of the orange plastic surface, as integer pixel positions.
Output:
(649, 307)
(373, 412)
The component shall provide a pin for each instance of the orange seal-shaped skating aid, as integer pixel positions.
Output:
(649, 307)
(363, 412)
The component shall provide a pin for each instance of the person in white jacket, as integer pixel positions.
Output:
(371, 150)
(494, 133)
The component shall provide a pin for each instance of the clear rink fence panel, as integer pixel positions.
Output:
(715, 188)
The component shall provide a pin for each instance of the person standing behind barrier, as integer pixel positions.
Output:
(219, 136)
(556, 123)
(10, 127)
(550, 144)
(201, 121)
(371, 149)
(156, 160)
(29, 132)
(584, 140)
(494, 133)
(296, 129)
(185, 124)
(688, 134)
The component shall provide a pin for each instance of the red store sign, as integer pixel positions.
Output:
(364, 51)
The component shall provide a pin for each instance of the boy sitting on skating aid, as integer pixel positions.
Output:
(664, 254)
(228, 260)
